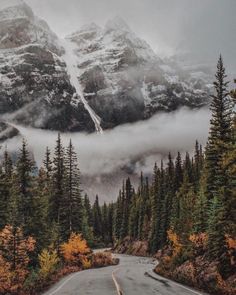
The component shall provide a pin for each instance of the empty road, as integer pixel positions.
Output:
(133, 276)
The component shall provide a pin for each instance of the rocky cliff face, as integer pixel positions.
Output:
(120, 77)
(34, 85)
(125, 81)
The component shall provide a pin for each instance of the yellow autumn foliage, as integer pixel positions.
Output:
(174, 239)
(48, 261)
(75, 250)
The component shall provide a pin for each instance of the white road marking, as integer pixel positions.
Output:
(63, 284)
(177, 284)
(118, 289)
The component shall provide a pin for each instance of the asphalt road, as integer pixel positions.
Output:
(133, 276)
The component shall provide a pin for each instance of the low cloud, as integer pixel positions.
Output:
(127, 149)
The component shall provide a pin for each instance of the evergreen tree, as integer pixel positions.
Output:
(220, 132)
(156, 204)
(141, 207)
(97, 219)
(6, 171)
(86, 228)
(216, 223)
(217, 185)
(105, 222)
(168, 201)
(48, 165)
(58, 180)
(110, 220)
(39, 226)
(71, 202)
(127, 196)
(197, 164)
(201, 210)
(188, 168)
(118, 217)
(178, 172)
(133, 218)
(23, 187)
(88, 210)
(183, 219)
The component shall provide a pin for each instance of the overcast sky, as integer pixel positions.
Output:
(203, 27)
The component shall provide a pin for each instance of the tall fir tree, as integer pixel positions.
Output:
(156, 203)
(23, 187)
(6, 171)
(217, 182)
(71, 202)
(58, 178)
(220, 132)
(97, 219)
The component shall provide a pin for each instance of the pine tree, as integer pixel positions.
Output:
(97, 219)
(23, 187)
(156, 204)
(178, 172)
(58, 176)
(220, 132)
(183, 220)
(39, 226)
(147, 211)
(141, 207)
(133, 218)
(71, 202)
(118, 217)
(201, 210)
(88, 210)
(216, 223)
(110, 220)
(188, 168)
(5, 189)
(126, 196)
(86, 228)
(168, 200)
(217, 182)
(48, 164)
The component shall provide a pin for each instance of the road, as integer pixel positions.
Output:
(133, 276)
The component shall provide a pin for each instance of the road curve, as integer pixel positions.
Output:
(133, 276)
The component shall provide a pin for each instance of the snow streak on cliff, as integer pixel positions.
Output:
(71, 60)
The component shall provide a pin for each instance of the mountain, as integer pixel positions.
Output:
(95, 79)
(125, 81)
(34, 85)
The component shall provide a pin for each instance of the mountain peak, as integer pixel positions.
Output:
(117, 23)
(90, 27)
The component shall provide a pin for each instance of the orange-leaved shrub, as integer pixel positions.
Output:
(199, 242)
(76, 251)
(14, 259)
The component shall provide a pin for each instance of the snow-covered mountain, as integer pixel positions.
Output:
(124, 80)
(96, 78)
(35, 88)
